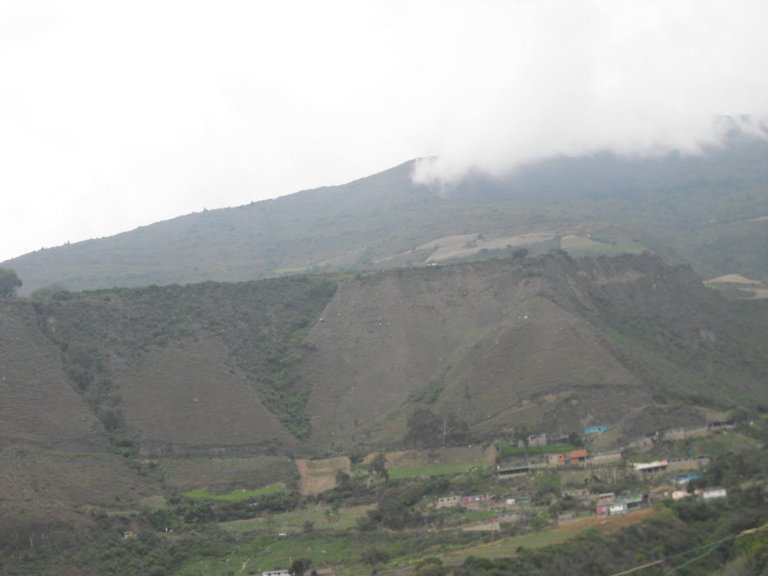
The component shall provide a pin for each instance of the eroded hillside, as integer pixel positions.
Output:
(542, 342)
(547, 343)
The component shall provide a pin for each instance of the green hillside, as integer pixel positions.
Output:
(181, 406)
(332, 362)
(707, 210)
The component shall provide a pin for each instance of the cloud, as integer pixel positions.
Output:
(577, 78)
(115, 115)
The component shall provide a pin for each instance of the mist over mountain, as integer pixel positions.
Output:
(704, 209)
(568, 294)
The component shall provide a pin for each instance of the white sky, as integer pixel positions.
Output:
(116, 114)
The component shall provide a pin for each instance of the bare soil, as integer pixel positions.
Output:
(318, 476)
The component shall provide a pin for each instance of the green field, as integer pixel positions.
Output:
(314, 518)
(508, 450)
(428, 470)
(235, 495)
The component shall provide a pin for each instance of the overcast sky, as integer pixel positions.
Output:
(116, 114)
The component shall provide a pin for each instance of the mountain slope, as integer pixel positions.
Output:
(343, 360)
(706, 210)
(542, 342)
(39, 405)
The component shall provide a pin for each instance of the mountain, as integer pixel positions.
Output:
(708, 210)
(112, 398)
(330, 362)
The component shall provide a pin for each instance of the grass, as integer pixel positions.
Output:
(268, 552)
(235, 495)
(625, 247)
(320, 517)
(510, 546)
(507, 450)
(429, 470)
(724, 443)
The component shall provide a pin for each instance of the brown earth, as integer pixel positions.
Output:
(189, 394)
(38, 404)
(485, 335)
(318, 476)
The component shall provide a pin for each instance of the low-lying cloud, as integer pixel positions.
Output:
(576, 78)
(115, 115)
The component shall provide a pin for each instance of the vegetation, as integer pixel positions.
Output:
(429, 430)
(263, 325)
(9, 283)
(698, 208)
(204, 494)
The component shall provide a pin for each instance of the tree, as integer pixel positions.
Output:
(300, 566)
(378, 466)
(424, 429)
(428, 430)
(9, 282)
(373, 556)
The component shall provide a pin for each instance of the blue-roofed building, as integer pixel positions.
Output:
(596, 429)
(685, 478)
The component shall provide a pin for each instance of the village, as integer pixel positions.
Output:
(536, 485)
(578, 469)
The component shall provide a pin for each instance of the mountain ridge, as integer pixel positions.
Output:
(704, 210)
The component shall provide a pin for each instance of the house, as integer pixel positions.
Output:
(576, 494)
(512, 470)
(578, 456)
(572, 458)
(534, 440)
(604, 501)
(601, 458)
(476, 502)
(596, 429)
(714, 493)
(617, 509)
(646, 468)
(448, 501)
(723, 425)
(684, 478)
(608, 505)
